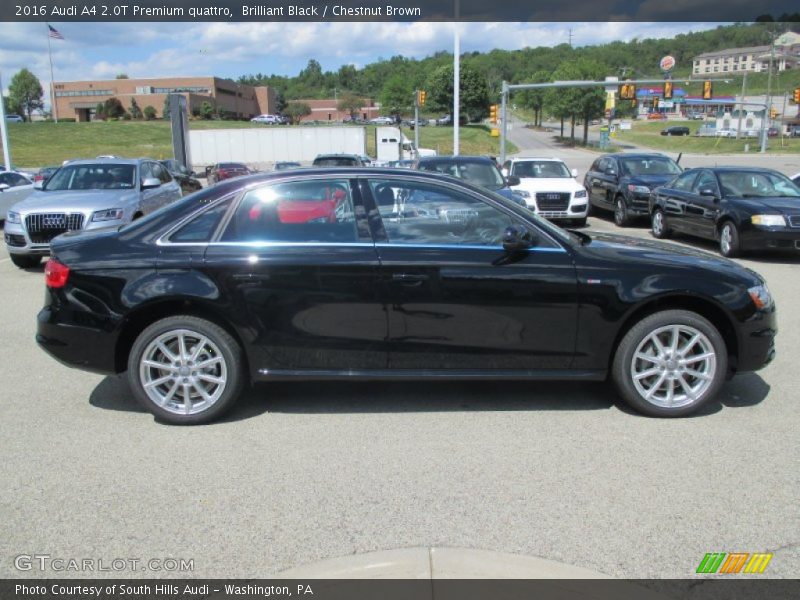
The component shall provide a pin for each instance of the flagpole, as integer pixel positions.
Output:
(53, 104)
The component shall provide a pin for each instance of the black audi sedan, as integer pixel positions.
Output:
(356, 273)
(743, 209)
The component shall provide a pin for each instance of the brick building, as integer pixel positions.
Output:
(78, 99)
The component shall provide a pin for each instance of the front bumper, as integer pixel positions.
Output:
(771, 238)
(638, 204)
(757, 341)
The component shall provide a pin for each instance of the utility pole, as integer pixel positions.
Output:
(456, 80)
(3, 131)
(416, 123)
(765, 121)
(570, 37)
(741, 106)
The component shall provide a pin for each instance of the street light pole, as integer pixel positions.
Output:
(765, 120)
(3, 130)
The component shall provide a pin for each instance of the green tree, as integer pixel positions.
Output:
(297, 111)
(397, 96)
(280, 102)
(149, 113)
(10, 107)
(113, 108)
(123, 76)
(534, 99)
(100, 112)
(26, 92)
(134, 110)
(165, 110)
(474, 96)
(206, 110)
(351, 104)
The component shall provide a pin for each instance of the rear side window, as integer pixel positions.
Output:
(319, 210)
(202, 227)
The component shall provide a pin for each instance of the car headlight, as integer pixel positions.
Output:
(760, 296)
(639, 189)
(768, 220)
(13, 217)
(580, 194)
(109, 214)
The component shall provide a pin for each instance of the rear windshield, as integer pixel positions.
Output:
(231, 166)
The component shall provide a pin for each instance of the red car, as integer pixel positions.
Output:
(657, 116)
(227, 170)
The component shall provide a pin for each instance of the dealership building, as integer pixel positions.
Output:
(328, 110)
(79, 99)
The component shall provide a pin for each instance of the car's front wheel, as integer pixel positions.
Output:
(24, 261)
(186, 370)
(621, 217)
(670, 363)
(659, 224)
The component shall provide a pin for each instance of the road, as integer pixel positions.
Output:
(307, 471)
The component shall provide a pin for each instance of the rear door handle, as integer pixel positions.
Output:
(410, 279)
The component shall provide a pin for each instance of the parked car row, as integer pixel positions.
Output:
(741, 208)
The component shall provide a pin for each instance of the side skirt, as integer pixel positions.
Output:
(442, 375)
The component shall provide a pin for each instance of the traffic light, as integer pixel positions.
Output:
(655, 101)
(493, 113)
(667, 90)
(421, 97)
(708, 91)
(627, 91)
(797, 95)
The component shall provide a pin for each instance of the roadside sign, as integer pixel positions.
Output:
(667, 63)
(666, 104)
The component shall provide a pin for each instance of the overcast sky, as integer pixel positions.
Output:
(102, 50)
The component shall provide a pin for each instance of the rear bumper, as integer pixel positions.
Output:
(78, 346)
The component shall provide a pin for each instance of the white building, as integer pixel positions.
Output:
(753, 58)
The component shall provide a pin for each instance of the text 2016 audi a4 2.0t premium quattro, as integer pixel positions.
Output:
(314, 274)
(82, 195)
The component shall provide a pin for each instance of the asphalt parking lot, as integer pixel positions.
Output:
(307, 471)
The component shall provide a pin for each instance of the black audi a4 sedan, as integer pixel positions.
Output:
(743, 209)
(344, 273)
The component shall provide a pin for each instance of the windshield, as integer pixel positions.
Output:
(484, 174)
(549, 169)
(649, 165)
(93, 177)
(756, 184)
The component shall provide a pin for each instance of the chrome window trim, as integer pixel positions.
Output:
(379, 245)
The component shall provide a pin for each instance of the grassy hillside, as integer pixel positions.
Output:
(35, 145)
(649, 134)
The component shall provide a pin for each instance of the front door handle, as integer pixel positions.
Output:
(410, 279)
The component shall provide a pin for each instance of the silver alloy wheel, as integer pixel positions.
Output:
(619, 211)
(658, 223)
(673, 366)
(183, 372)
(726, 238)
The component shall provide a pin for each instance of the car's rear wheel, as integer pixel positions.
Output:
(659, 224)
(729, 245)
(670, 363)
(25, 262)
(186, 370)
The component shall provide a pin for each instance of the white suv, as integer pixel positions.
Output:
(549, 188)
(267, 119)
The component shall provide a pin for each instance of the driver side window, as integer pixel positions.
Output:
(427, 214)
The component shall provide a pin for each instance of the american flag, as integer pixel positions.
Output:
(54, 33)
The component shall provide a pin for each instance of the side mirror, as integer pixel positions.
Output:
(574, 172)
(512, 180)
(709, 192)
(504, 171)
(611, 171)
(38, 185)
(516, 239)
(150, 183)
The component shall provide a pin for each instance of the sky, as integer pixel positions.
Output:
(103, 50)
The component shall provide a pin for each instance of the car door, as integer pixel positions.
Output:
(703, 205)
(456, 300)
(674, 198)
(298, 265)
(604, 182)
(148, 198)
(170, 189)
(19, 188)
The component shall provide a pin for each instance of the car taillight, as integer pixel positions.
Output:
(38, 178)
(55, 274)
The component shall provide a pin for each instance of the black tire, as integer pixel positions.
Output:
(729, 243)
(659, 226)
(25, 262)
(231, 353)
(625, 362)
(621, 217)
